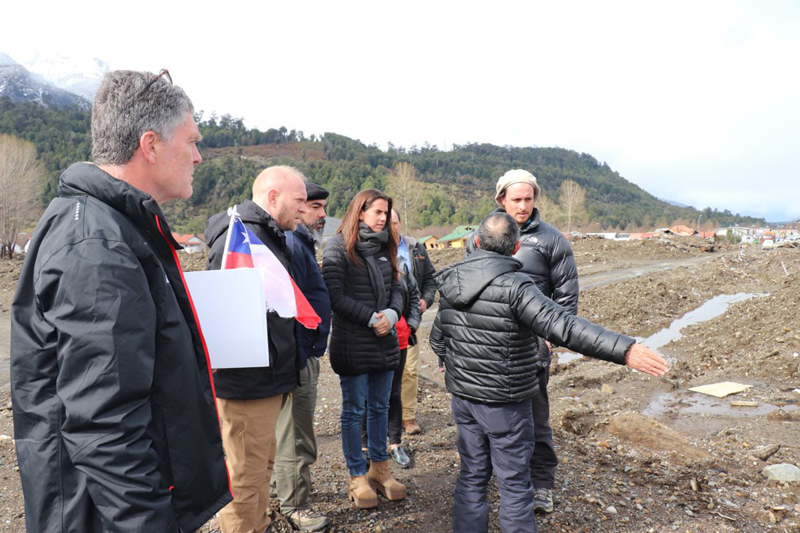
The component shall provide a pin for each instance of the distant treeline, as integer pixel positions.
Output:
(457, 185)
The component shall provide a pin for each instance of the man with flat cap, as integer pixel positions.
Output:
(296, 442)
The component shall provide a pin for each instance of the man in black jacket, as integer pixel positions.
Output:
(250, 399)
(490, 315)
(296, 442)
(546, 257)
(112, 396)
(421, 267)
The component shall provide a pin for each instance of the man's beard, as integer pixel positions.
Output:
(317, 232)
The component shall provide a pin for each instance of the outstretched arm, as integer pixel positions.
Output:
(642, 358)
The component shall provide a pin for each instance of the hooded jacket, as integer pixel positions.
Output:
(546, 257)
(114, 415)
(281, 375)
(307, 275)
(355, 348)
(489, 316)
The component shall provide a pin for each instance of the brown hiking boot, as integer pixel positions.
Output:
(411, 427)
(381, 479)
(360, 492)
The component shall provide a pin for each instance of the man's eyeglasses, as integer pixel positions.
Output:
(164, 72)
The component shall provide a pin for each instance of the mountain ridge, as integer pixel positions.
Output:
(20, 85)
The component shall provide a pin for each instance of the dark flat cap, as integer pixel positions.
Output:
(316, 192)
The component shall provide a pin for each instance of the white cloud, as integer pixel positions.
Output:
(689, 100)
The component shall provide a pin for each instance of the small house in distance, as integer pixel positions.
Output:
(429, 242)
(191, 243)
(456, 239)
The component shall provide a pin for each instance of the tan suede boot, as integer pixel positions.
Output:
(360, 492)
(381, 479)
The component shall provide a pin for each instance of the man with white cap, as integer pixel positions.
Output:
(546, 257)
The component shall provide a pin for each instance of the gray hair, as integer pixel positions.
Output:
(498, 233)
(125, 108)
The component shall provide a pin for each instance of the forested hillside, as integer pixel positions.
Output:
(454, 186)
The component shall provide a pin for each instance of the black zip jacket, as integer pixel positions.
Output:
(354, 347)
(281, 375)
(422, 269)
(485, 330)
(114, 415)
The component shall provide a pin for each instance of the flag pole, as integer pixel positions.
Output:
(233, 214)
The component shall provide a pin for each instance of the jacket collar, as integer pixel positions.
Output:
(530, 226)
(252, 213)
(87, 179)
(462, 283)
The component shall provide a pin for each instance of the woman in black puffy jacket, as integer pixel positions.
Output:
(359, 266)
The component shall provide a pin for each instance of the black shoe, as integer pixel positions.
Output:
(543, 501)
(400, 457)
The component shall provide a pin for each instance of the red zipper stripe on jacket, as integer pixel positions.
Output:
(200, 331)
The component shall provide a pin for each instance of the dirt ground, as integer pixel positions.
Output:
(637, 453)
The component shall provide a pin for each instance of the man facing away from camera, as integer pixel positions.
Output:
(547, 258)
(113, 401)
(486, 330)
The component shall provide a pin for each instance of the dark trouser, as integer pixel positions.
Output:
(297, 444)
(495, 438)
(395, 406)
(544, 460)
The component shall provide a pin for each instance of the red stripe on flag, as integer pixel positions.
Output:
(238, 260)
(305, 313)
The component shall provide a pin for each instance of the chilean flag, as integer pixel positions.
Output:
(245, 250)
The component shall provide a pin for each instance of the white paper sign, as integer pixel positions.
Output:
(232, 312)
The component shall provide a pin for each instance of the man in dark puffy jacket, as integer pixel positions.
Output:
(296, 442)
(250, 399)
(546, 257)
(112, 396)
(490, 315)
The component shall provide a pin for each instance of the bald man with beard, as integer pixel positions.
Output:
(249, 399)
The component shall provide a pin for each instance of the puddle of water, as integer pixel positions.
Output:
(711, 309)
(694, 403)
(566, 357)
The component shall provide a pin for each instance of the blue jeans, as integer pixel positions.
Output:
(370, 393)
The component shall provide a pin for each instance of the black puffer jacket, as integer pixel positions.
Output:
(354, 347)
(546, 257)
(280, 376)
(114, 416)
(485, 330)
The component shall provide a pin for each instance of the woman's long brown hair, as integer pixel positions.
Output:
(349, 227)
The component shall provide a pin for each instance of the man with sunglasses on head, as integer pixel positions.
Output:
(113, 400)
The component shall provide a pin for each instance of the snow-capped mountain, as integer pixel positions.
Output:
(78, 75)
(20, 85)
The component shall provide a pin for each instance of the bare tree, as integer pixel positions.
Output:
(549, 211)
(21, 177)
(573, 203)
(406, 192)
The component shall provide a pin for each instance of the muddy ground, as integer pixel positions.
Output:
(637, 453)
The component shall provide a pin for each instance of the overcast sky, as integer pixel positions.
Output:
(697, 102)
